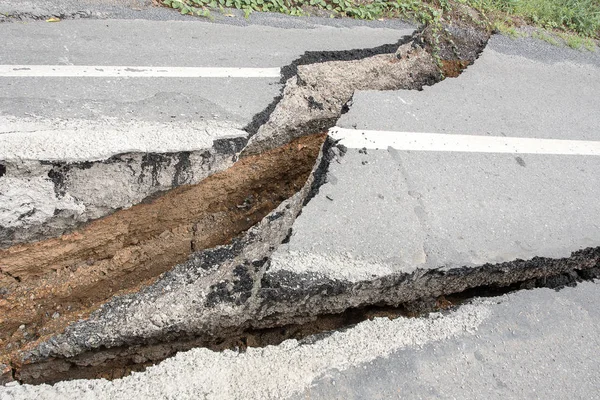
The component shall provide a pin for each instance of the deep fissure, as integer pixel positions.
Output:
(58, 176)
(122, 361)
(61, 280)
(257, 308)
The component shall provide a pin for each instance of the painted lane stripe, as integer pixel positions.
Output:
(77, 71)
(416, 141)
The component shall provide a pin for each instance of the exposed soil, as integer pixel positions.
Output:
(48, 285)
(87, 190)
(52, 283)
(453, 68)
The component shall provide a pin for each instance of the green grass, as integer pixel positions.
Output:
(577, 16)
(579, 20)
(569, 39)
(506, 28)
(589, 44)
(414, 9)
(577, 42)
(546, 37)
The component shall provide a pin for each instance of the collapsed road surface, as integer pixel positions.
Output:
(520, 345)
(188, 235)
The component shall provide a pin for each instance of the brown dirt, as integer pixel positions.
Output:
(57, 281)
(453, 68)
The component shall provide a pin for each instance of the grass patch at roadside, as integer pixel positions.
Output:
(417, 10)
(576, 22)
(581, 17)
(577, 42)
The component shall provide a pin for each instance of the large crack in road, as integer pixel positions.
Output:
(49, 284)
(191, 266)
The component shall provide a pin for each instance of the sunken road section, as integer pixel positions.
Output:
(48, 284)
(188, 264)
(63, 179)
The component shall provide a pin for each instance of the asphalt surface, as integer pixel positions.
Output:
(548, 93)
(164, 44)
(382, 211)
(86, 118)
(391, 210)
(406, 210)
(538, 344)
(30, 10)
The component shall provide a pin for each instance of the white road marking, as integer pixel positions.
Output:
(99, 71)
(417, 141)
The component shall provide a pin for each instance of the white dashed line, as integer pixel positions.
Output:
(82, 71)
(417, 141)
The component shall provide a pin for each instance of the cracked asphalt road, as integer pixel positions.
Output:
(159, 43)
(537, 343)
(400, 209)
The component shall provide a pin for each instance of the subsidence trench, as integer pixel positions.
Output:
(100, 293)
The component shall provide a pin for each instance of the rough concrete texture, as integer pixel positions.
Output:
(213, 292)
(47, 285)
(75, 171)
(313, 100)
(538, 343)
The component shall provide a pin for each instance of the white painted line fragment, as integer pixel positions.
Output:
(98, 71)
(417, 141)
